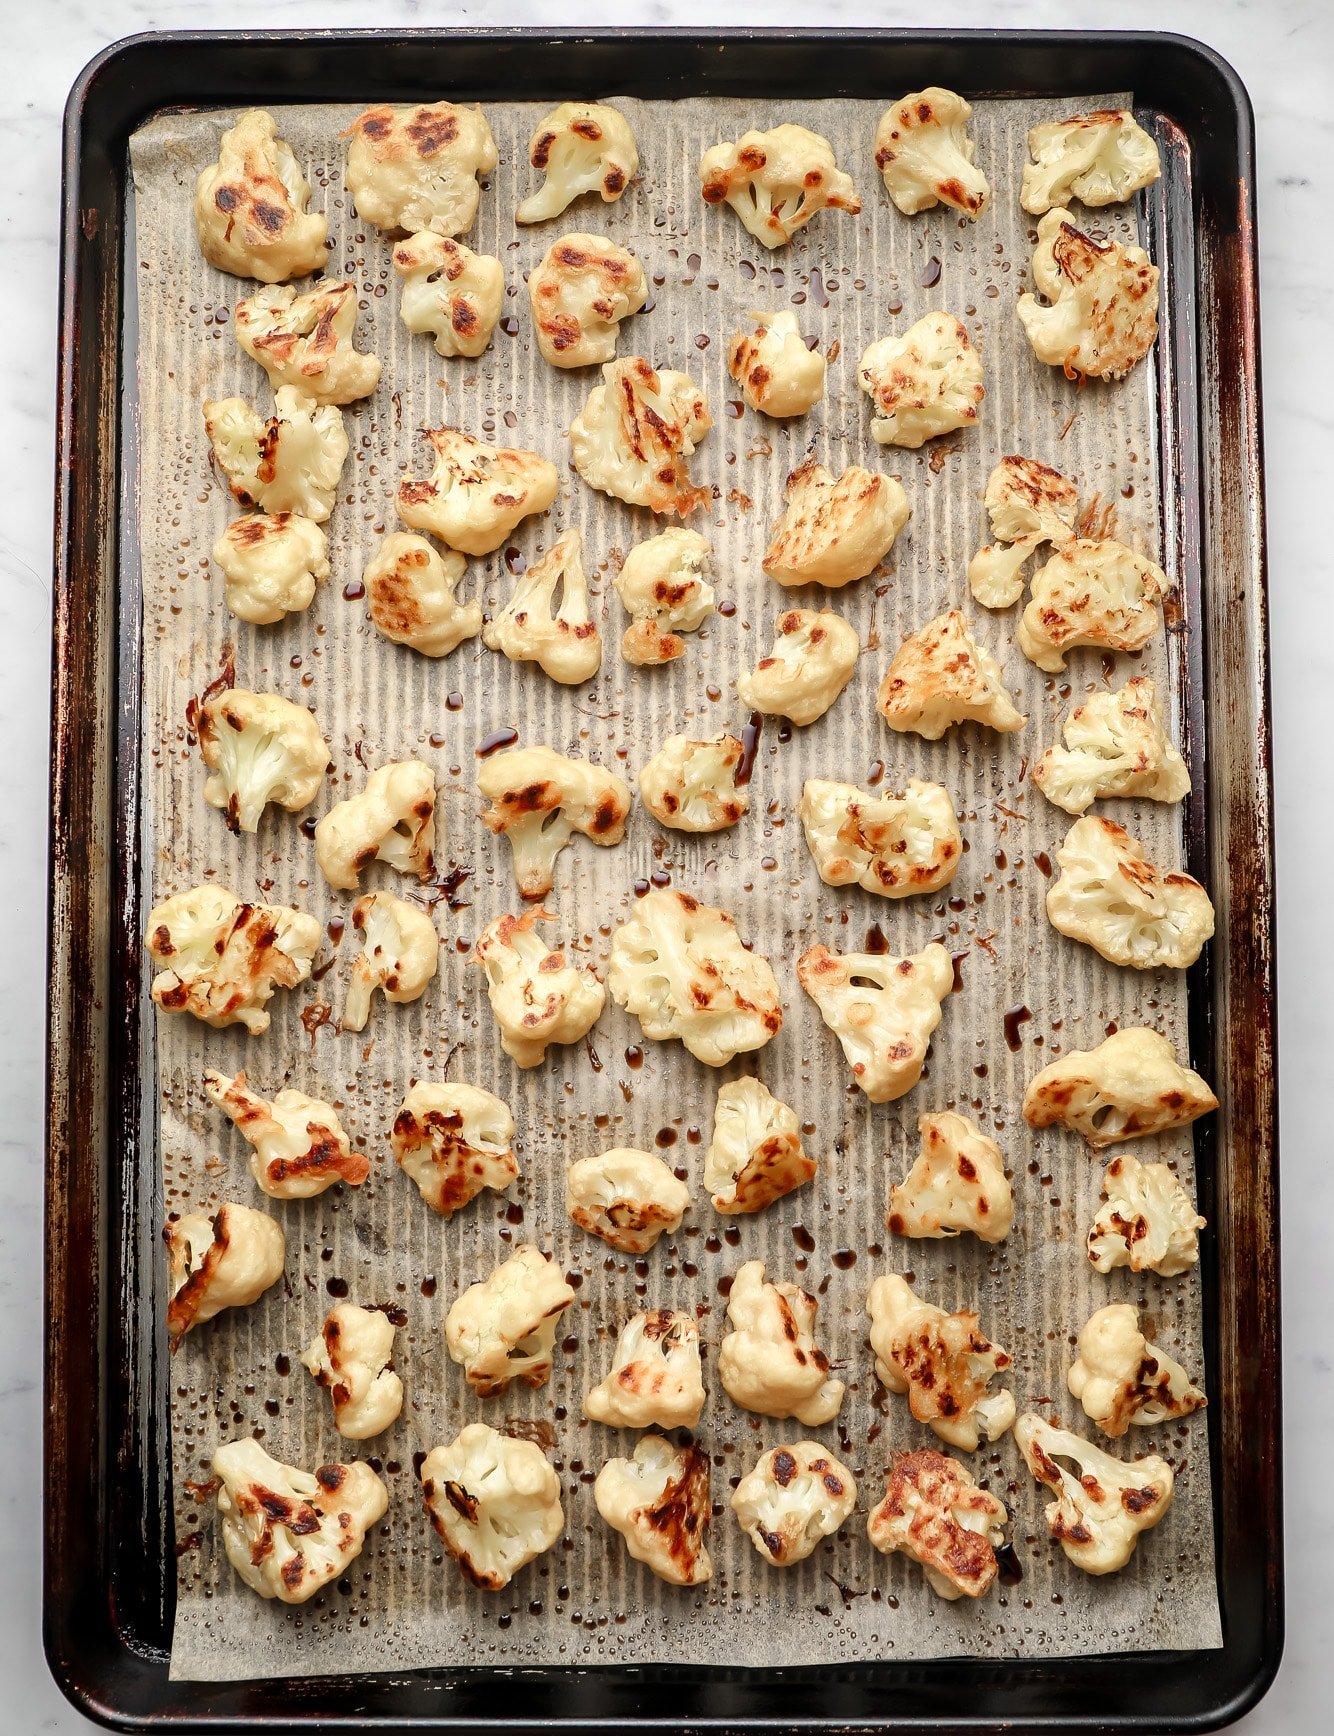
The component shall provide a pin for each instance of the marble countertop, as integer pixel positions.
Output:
(1284, 52)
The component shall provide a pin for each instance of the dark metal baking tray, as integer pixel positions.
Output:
(109, 1580)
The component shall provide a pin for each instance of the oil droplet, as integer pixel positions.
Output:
(785, 730)
(844, 1258)
(353, 590)
(664, 1138)
(660, 878)
(702, 341)
(1007, 1564)
(1042, 862)
(803, 1238)
(727, 610)
(283, 1363)
(504, 737)
(515, 561)
(640, 888)
(514, 1213)
(634, 1057)
(335, 929)
(453, 702)
(308, 826)
(876, 773)
(510, 326)
(1128, 492)
(931, 275)
(693, 1136)
(750, 741)
(336, 1286)
(894, 305)
(1002, 860)
(1013, 1019)
(428, 1285)
(768, 863)
(956, 987)
(735, 408)
(747, 269)
(876, 939)
(714, 693)
(436, 739)
(693, 262)
(594, 1059)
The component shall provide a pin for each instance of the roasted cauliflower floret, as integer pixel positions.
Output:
(392, 820)
(776, 372)
(1115, 745)
(476, 493)
(1120, 1378)
(1110, 896)
(924, 383)
(958, 1183)
(1130, 1086)
(289, 462)
(449, 291)
(224, 1260)
(1104, 1503)
(655, 1378)
(794, 1498)
(454, 1140)
(259, 749)
(882, 1010)
(581, 147)
(776, 181)
(1147, 1220)
(755, 1155)
(306, 341)
(410, 594)
(835, 530)
(537, 997)
(1028, 504)
(352, 1355)
(923, 150)
(809, 664)
(494, 1500)
(250, 206)
(582, 290)
(503, 1328)
(627, 1197)
(659, 1502)
(661, 587)
(935, 1512)
(941, 1361)
(399, 954)
(634, 437)
(540, 799)
(288, 1532)
(298, 1147)
(679, 966)
(561, 638)
(941, 676)
(769, 1361)
(1099, 159)
(417, 167)
(692, 786)
(1101, 312)
(221, 959)
(271, 564)
(891, 845)
(1091, 593)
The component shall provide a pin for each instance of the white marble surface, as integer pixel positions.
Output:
(1284, 51)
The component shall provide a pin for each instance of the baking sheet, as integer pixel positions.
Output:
(851, 279)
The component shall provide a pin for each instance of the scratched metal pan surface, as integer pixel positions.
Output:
(111, 1570)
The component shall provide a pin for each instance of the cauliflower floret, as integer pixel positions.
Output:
(288, 1532)
(1115, 745)
(1120, 1378)
(503, 1328)
(1102, 315)
(495, 1502)
(582, 290)
(941, 1361)
(537, 998)
(777, 181)
(1028, 504)
(351, 1355)
(892, 845)
(922, 384)
(809, 664)
(755, 1155)
(934, 1512)
(679, 966)
(777, 374)
(540, 798)
(398, 955)
(417, 167)
(454, 1140)
(476, 493)
(692, 786)
(659, 1502)
(769, 1362)
(1110, 896)
(449, 291)
(561, 637)
(1147, 1222)
(259, 749)
(661, 588)
(250, 206)
(627, 1197)
(298, 1146)
(1100, 159)
(835, 530)
(882, 1010)
(287, 463)
(582, 147)
(271, 564)
(655, 1377)
(957, 1183)
(941, 676)
(410, 590)
(306, 341)
(392, 820)
(634, 436)
(1103, 1505)
(1129, 1086)
(227, 1260)
(923, 150)
(1091, 593)
(221, 959)
(794, 1498)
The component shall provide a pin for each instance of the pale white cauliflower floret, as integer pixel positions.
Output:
(271, 564)
(410, 595)
(540, 799)
(1104, 1503)
(882, 1010)
(659, 1502)
(958, 1183)
(1091, 593)
(923, 383)
(583, 288)
(449, 291)
(777, 181)
(503, 1328)
(923, 150)
(259, 749)
(795, 1497)
(692, 786)
(224, 1259)
(495, 1502)
(1102, 312)
(537, 997)
(476, 494)
(561, 638)
(629, 1198)
(581, 147)
(1120, 1378)
(307, 342)
(769, 1362)
(1115, 745)
(655, 1379)
(661, 587)
(776, 372)
(289, 462)
(892, 845)
(1147, 1221)
(634, 437)
(835, 530)
(755, 1155)
(680, 968)
(417, 167)
(1099, 159)
(1110, 896)
(941, 676)
(934, 1512)
(298, 1145)
(1028, 504)
(221, 959)
(392, 820)
(250, 206)
(943, 1363)
(453, 1140)
(352, 1355)
(399, 954)
(810, 663)
(1131, 1085)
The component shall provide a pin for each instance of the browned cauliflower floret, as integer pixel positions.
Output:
(399, 954)
(756, 1155)
(1028, 504)
(1147, 1221)
(1099, 159)
(1104, 1503)
(659, 1502)
(777, 181)
(941, 1361)
(692, 786)
(454, 1140)
(289, 462)
(221, 959)
(1091, 593)
(271, 564)
(392, 820)
(661, 588)
(1115, 745)
(410, 590)
(476, 493)
(655, 1377)
(923, 150)
(775, 370)
(810, 663)
(924, 383)
(935, 1512)
(537, 997)
(957, 1183)
(298, 1146)
(882, 1010)
(250, 206)
(582, 290)
(259, 749)
(226, 1259)
(941, 676)
(627, 1197)
(503, 1327)
(306, 341)
(561, 638)
(835, 529)
(582, 147)
(1101, 312)
(1110, 896)
(1120, 1378)
(417, 167)
(495, 1501)
(352, 1356)
(540, 798)
(769, 1361)
(449, 291)
(634, 437)
(794, 1498)
(891, 845)
(1130, 1086)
